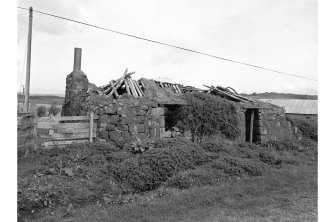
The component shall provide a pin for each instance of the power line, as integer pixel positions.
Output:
(170, 45)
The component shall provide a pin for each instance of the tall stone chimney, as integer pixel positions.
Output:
(76, 89)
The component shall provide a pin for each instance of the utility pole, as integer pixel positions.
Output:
(27, 86)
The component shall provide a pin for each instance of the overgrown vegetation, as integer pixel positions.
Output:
(54, 109)
(207, 115)
(82, 175)
(307, 128)
(41, 111)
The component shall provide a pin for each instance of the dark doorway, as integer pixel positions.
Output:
(169, 113)
(252, 130)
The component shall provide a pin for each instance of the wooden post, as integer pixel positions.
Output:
(26, 97)
(127, 86)
(251, 124)
(35, 133)
(91, 126)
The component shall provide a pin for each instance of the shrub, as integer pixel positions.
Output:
(117, 157)
(155, 166)
(98, 147)
(54, 110)
(207, 115)
(130, 175)
(41, 111)
(234, 166)
(212, 147)
(307, 128)
(282, 145)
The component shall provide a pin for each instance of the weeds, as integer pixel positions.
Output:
(207, 115)
(83, 174)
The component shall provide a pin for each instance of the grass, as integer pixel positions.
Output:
(284, 195)
(175, 181)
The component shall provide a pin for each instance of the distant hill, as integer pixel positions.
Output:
(53, 99)
(43, 99)
(274, 95)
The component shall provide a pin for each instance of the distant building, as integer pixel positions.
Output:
(297, 107)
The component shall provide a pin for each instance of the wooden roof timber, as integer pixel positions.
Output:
(132, 86)
(228, 94)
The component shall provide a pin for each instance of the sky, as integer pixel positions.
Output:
(280, 35)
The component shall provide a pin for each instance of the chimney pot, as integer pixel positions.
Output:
(77, 59)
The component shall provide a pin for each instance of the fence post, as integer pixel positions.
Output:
(91, 126)
(35, 133)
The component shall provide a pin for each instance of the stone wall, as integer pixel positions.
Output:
(273, 125)
(128, 118)
(269, 124)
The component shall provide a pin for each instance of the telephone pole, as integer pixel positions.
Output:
(27, 86)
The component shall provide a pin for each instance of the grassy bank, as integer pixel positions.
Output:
(175, 181)
(284, 195)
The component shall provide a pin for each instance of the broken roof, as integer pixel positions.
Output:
(171, 93)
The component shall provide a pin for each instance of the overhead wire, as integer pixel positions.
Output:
(170, 45)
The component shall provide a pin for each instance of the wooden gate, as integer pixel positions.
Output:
(26, 133)
(61, 131)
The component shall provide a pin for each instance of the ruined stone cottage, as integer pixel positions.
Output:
(128, 108)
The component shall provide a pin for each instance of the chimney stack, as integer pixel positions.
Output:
(76, 89)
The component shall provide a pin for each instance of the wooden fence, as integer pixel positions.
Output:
(61, 131)
(26, 132)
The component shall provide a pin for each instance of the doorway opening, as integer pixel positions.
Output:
(169, 113)
(252, 126)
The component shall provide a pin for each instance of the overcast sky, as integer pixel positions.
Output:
(280, 35)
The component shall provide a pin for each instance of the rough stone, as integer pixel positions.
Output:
(140, 128)
(103, 135)
(153, 124)
(141, 112)
(103, 118)
(125, 135)
(110, 110)
(122, 111)
(127, 120)
(131, 128)
(159, 111)
(167, 134)
(152, 132)
(110, 127)
(161, 121)
(144, 107)
(103, 125)
(140, 119)
(161, 132)
(146, 130)
(141, 136)
(122, 127)
(114, 135)
(114, 119)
